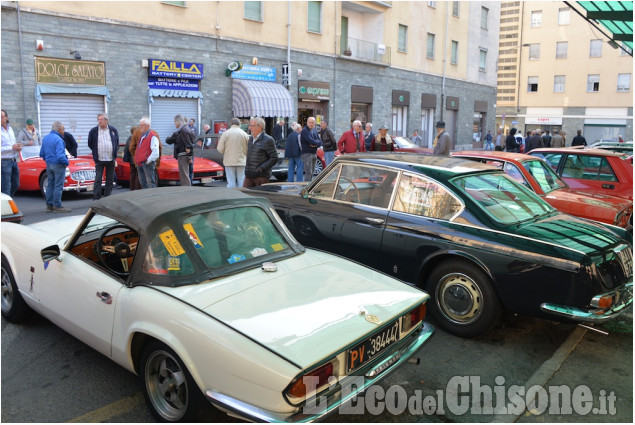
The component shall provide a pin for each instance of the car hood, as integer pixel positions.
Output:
(587, 198)
(58, 229)
(313, 306)
(565, 232)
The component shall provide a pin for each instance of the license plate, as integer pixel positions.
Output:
(89, 187)
(371, 347)
(206, 180)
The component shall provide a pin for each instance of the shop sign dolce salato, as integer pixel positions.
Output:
(66, 71)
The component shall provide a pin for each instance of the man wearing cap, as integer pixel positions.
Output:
(28, 135)
(352, 140)
(383, 142)
(442, 142)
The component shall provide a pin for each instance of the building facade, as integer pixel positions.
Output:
(402, 64)
(557, 72)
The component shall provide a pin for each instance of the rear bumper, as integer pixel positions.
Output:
(13, 218)
(624, 300)
(344, 393)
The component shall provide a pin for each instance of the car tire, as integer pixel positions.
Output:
(464, 301)
(44, 181)
(14, 308)
(318, 167)
(169, 389)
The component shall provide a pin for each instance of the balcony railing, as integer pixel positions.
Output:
(365, 50)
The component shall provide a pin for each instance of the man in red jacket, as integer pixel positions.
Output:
(352, 140)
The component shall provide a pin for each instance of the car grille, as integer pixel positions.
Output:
(83, 175)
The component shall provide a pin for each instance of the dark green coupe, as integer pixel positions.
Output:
(472, 237)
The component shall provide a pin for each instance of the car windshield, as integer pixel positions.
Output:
(221, 238)
(503, 199)
(544, 176)
(404, 143)
(30, 152)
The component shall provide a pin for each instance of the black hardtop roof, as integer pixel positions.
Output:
(140, 208)
(448, 166)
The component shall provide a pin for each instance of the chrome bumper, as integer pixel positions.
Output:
(624, 300)
(246, 411)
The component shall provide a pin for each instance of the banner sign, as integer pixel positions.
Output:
(253, 72)
(67, 71)
(314, 90)
(175, 69)
(172, 84)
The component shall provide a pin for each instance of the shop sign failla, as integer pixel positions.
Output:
(67, 71)
(175, 69)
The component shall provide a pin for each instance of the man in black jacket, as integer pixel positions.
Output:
(183, 141)
(103, 141)
(309, 141)
(261, 154)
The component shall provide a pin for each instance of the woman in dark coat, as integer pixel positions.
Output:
(510, 141)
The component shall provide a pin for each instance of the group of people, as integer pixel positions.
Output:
(538, 138)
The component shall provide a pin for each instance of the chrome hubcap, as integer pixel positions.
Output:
(459, 298)
(7, 292)
(167, 387)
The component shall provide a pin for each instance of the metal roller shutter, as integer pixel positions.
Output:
(165, 108)
(78, 113)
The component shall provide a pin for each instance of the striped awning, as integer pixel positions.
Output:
(261, 99)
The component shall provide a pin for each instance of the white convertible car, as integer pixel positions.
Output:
(208, 298)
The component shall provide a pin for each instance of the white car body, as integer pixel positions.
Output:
(243, 337)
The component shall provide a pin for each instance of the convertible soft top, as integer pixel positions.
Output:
(140, 208)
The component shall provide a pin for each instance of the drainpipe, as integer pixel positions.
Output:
(289, 49)
(445, 50)
(22, 63)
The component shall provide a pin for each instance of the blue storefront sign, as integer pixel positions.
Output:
(175, 69)
(172, 83)
(259, 73)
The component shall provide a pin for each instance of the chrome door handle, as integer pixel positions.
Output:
(104, 297)
(375, 221)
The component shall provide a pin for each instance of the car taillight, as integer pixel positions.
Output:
(413, 317)
(623, 217)
(14, 207)
(315, 379)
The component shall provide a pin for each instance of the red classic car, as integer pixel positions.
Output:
(403, 144)
(591, 170)
(536, 174)
(80, 173)
(205, 170)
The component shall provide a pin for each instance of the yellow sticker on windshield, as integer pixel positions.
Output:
(171, 243)
(277, 247)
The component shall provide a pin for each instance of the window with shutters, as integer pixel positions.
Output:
(253, 10)
(315, 16)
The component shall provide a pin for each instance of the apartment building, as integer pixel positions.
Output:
(558, 72)
(402, 64)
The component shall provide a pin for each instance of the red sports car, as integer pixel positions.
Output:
(80, 173)
(591, 170)
(205, 170)
(536, 175)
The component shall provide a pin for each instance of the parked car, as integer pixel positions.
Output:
(210, 300)
(207, 147)
(536, 174)
(471, 236)
(281, 169)
(404, 144)
(80, 173)
(626, 147)
(591, 170)
(10, 210)
(205, 170)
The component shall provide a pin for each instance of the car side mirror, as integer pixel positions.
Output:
(304, 193)
(50, 253)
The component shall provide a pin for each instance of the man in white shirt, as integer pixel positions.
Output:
(10, 154)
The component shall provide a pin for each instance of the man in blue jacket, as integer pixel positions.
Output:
(103, 141)
(293, 151)
(53, 151)
(310, 142)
